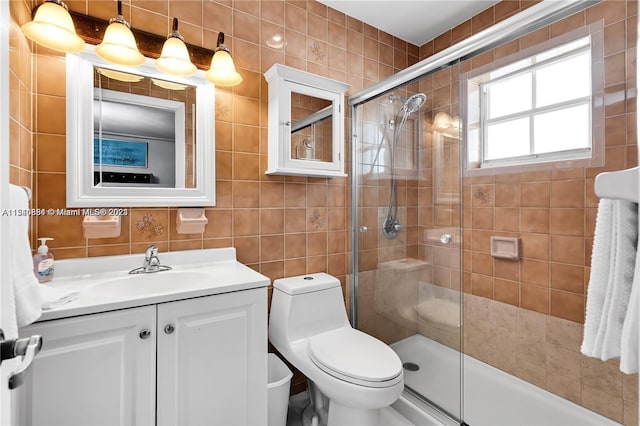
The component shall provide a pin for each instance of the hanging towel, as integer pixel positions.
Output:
(53, 297)
(612, 274)
(631, 327)
(24, 295)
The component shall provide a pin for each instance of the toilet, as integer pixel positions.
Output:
(357, 373)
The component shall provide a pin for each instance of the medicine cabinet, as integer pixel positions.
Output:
(306, 123)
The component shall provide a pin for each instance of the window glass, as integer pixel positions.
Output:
(508, 139)
(562, 130)
(564, 80)
(510, 95)
(534, 109)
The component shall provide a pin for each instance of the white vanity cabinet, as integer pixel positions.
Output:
(92, 370)
(187, 362)
(212, 360)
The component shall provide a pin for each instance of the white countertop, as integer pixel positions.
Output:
(86, 275)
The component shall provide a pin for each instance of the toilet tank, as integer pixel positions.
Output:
(304, 306)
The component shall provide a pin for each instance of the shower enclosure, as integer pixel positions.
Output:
(407, 215)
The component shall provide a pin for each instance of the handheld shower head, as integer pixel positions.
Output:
(414, 102)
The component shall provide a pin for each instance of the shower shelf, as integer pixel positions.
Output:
(620, 185)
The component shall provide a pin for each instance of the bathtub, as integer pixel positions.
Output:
(491, 396)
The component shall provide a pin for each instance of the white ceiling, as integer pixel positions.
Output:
(415, 21)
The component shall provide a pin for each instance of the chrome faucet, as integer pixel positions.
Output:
(151, 262)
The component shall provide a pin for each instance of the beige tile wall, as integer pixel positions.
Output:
(553, 212)
(545, 350)
(20, 87)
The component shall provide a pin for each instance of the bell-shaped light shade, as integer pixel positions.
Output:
(174, 58)
(223, 71)
(119, 45)
(53, 28)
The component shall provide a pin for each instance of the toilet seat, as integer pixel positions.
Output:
(355, 357)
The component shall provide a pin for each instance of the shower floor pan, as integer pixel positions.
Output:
(491, 396)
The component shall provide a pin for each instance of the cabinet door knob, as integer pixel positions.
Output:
(169, 328)
(145, 333)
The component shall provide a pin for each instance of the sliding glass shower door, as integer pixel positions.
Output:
(409, 240)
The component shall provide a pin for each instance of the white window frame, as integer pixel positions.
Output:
(477, 115)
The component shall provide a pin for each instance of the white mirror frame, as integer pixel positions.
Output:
(80, 189)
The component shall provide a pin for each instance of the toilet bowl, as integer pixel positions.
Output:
(358, 373)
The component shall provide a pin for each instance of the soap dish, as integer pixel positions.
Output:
(191, 221)
(505, 247)
(101, 226)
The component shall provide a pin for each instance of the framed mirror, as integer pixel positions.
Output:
(137, 137)
(306, 123)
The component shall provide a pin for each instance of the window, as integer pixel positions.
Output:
(533, 109)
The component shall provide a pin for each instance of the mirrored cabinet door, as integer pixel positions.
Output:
(306, 123)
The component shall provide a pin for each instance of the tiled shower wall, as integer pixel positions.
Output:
(279, 226)
(526, 316)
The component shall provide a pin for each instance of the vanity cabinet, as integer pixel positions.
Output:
(306, 123)
(189, 362)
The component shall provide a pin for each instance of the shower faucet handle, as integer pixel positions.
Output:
(399, 227)
(363, 229)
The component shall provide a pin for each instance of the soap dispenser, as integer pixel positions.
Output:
(43, 262)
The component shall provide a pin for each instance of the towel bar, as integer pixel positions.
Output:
(620, 185)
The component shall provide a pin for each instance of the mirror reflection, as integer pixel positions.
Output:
(311, 128)
(143, 131)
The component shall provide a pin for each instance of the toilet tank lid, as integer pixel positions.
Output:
(306, 283)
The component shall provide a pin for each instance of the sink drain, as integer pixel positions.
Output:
(410, 366)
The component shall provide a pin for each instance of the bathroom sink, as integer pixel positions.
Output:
(153, 283)
(102, 284)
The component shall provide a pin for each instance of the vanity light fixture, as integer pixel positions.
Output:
(174, 58)
(223, 71)
(119, 45)
(53, 28)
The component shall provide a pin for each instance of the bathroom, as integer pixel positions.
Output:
(289, 226)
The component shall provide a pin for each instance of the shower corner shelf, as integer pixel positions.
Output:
(305, 107)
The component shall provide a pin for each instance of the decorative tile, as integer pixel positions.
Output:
(148, 225)
(317, 220)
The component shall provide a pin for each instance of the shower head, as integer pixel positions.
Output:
(414, 102)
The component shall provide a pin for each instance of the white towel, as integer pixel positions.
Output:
(24, 295)
(612, 273)
(53, 297)
(631, 327)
